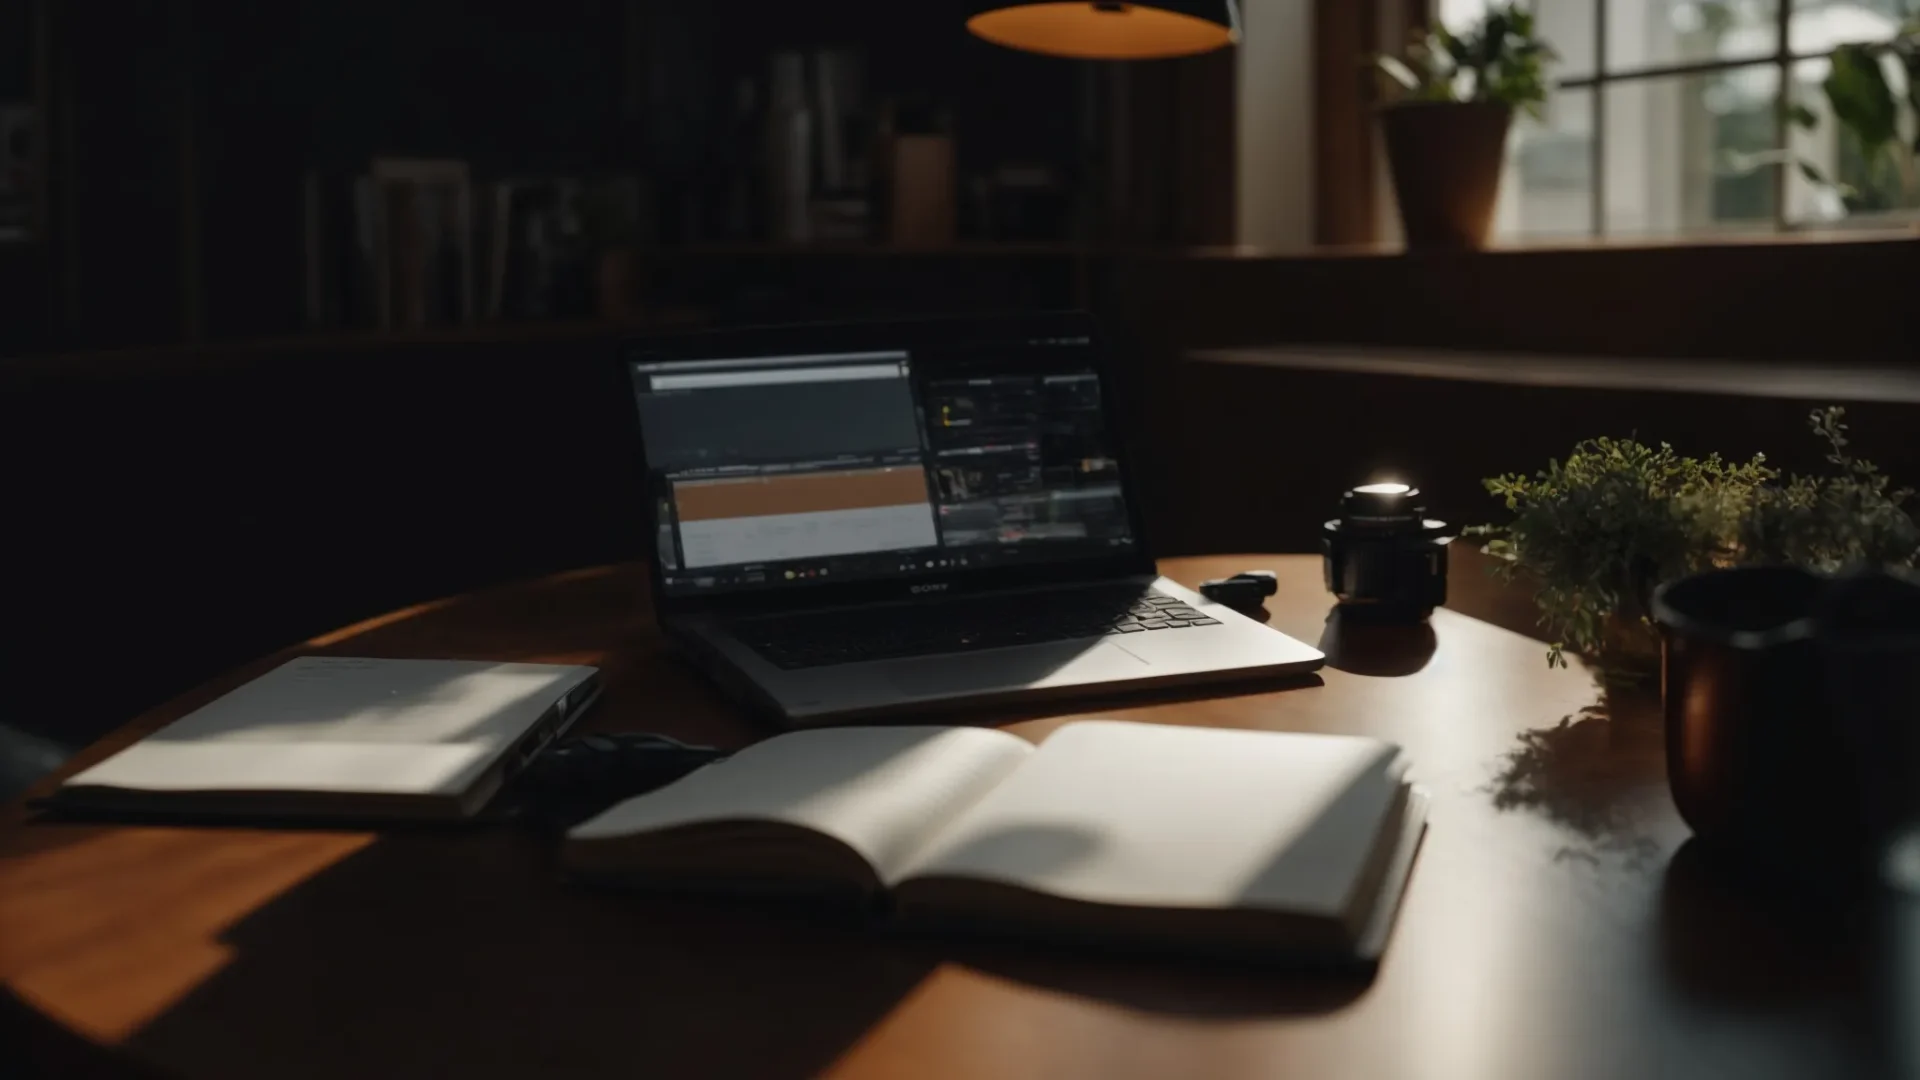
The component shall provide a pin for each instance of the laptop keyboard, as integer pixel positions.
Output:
(823, 638)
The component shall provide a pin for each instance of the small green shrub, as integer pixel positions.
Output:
(1599, 531)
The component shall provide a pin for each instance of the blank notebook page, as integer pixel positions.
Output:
(882, 791)
(1162, 816)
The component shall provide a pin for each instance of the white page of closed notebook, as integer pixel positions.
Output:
(881, 791)
(1178, 817)
(345, 724)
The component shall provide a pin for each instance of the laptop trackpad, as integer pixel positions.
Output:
(1004, 669)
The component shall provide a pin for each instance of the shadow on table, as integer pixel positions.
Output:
(1590, 773)
(1197, 989)
(33, 1049)
(1735, 936)
(1810, 963)
(1117, 700)
(469, 955)
(1387, 650)
(1475, 589)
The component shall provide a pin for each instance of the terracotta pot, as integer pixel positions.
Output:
(1629, 652)
(1446, 159)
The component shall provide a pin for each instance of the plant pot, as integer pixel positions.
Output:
(1629, 652)
(1789, 701)
(1744, 723)
(1446, 159)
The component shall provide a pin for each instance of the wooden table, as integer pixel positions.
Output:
(1550, 929)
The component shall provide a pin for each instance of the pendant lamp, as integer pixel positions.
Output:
(1109, 29)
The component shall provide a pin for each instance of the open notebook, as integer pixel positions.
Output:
(1193, 838)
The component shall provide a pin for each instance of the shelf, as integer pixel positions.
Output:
(1008, 249)
(241, 353)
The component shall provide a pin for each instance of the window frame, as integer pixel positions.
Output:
(1783, 60)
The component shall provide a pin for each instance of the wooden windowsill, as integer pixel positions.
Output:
(1068, 249)
(1562, 245)
(1797, 381)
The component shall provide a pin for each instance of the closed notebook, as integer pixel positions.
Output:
(335, 737)
(1187, 838)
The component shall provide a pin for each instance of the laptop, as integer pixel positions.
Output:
(865, 519)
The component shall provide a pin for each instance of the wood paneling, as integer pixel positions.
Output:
(1804, 298)
(1253, 460)
(1173, 151)
(1346, 34)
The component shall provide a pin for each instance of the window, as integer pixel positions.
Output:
(1667, 116)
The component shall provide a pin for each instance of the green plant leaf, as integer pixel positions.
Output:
(1493, 37)
(1399, 72)
(1861, 98)
(1801, 116)
(1910, 58)
(1812, 172)
(1497, 59)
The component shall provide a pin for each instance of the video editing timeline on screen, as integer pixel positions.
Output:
(1022, 457)
(776, 470)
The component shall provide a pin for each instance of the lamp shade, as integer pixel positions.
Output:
(1108, 29)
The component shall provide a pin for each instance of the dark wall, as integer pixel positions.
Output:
(1794, 298)
(118, 172)
(181, 132)
(24, 278)
(289, 88)
(167, 523)
(764, 287)
(1255, 458)
(171, 513)
(1005, 104)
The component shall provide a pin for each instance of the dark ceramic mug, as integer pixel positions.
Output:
(1791, 701)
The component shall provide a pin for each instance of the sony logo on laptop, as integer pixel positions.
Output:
(937, 586)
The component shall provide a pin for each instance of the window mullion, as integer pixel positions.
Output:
(1694, 67)
(1598, 189)
(1783, 59)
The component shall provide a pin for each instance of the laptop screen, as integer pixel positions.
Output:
(783, 471)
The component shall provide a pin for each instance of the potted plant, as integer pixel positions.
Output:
(1598, 532)
(1451, 102)
(1873, 91)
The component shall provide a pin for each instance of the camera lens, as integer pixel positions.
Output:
(1384, 557)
